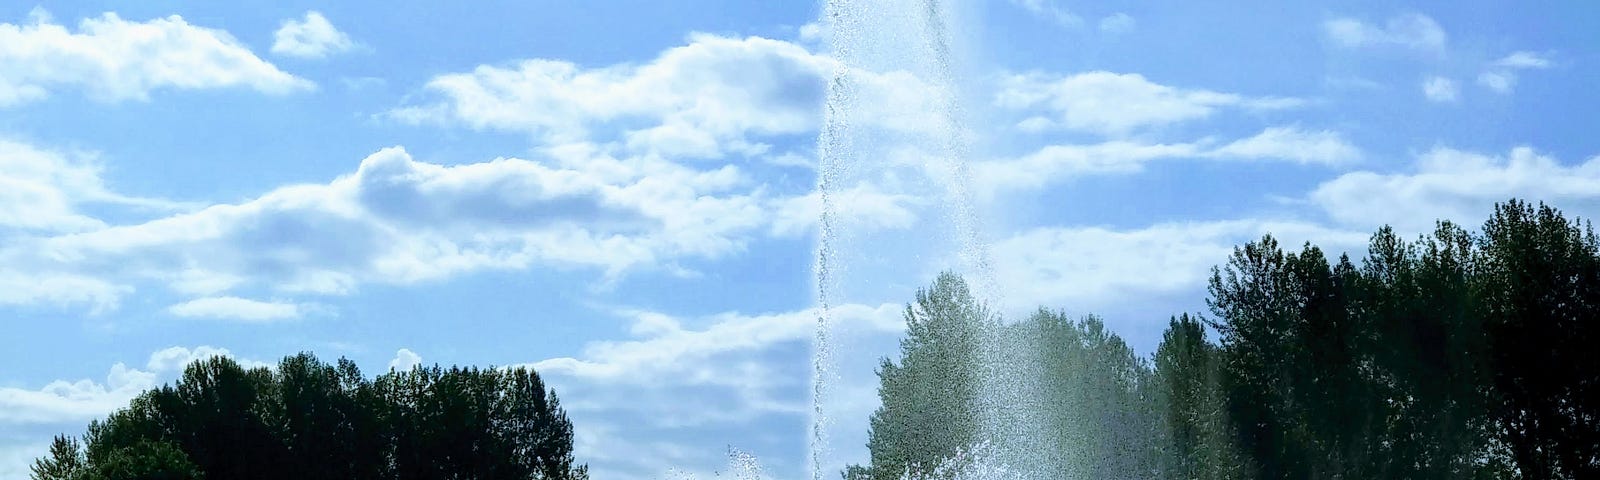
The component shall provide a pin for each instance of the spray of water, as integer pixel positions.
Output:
(917, 34)
(834, 160)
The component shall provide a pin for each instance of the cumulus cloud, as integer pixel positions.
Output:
(1457, 185)
(312, 36)
(1409, 31)
(174, 359)
(701, 100)
(405, 360)
(701, 380)
(64, 401)
(235, 308)
(112, 59)
(614, 201)
(399, 220)
(1116, 104)
(1440, 89)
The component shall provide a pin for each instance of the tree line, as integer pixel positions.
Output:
(1454, 355)
(308, 419)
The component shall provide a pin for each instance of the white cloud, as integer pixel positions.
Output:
(63, 401)
(1117, 23)
(1324, 147)
(1440, 89)
(1116, 104)
(1054, 163)
(869, 208)
(310, 37)
(1410, 31)
(1524, 60)
(1049, 10)
(702, 380)
(813, 32)
(1462, 186)
(112, 59)
(405, 360)
(670, 348)
(175, 359)
(1091, 268)
(235, 308)
(703, 99)
(1498, 80)
(398, 220)
(1501, 77)
(1058, 162)
(16, 460)
(42, 190)
(58, 288)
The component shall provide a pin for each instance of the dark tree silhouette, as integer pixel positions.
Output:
(308, 419)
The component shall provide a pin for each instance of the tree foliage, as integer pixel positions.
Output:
(953, 398)
(312, 420)
(1455, 355)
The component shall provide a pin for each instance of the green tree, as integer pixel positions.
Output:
(309, 419)
(65, 461)
(1047, 397)
(1539, 282)
(1199, 440)
(928, 411)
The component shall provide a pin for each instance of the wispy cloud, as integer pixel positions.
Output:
(1116, 104)
(1410, 31)
(1440, 89)
(239, 309)
(1501, 75)
(1051, 11)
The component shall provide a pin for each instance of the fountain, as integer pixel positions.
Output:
(902, 44)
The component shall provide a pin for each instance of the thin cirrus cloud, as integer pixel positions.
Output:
(1116, 104)
(1501, 75)
(111, 59)
(237, 309)
(1055, 163)
(1440, 89)
(1410, 31)
(310, 37)
(1049, 10)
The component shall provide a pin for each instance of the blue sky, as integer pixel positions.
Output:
(620, 193)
